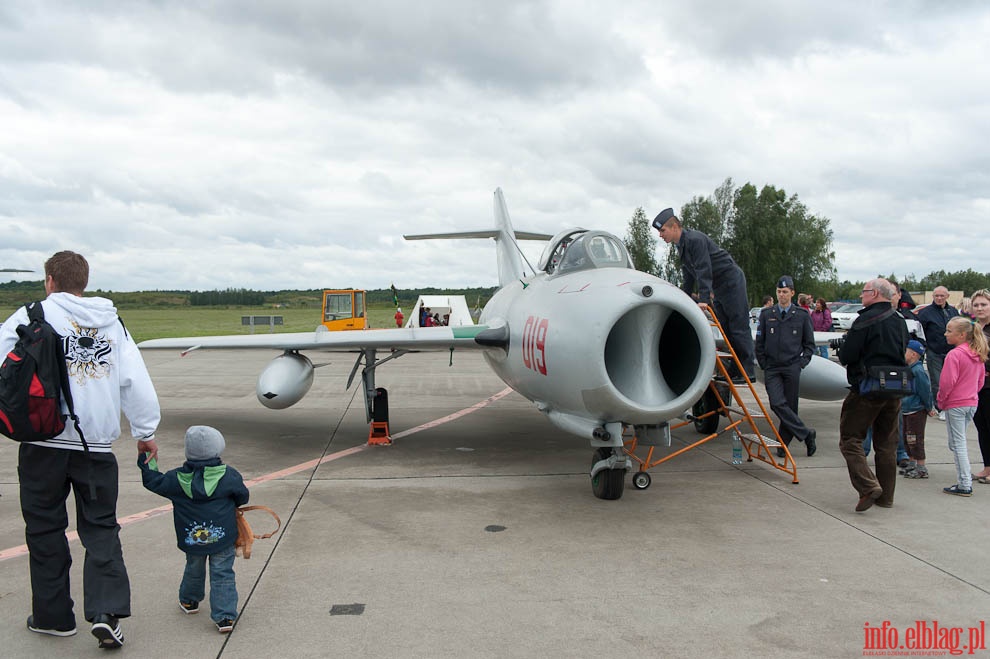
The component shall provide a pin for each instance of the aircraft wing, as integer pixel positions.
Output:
(409, 339)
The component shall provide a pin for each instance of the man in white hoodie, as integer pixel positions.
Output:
(107, 376)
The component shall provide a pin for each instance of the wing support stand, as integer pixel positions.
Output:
(375, 398)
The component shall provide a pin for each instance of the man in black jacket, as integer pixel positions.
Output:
(721, 283)
(878, 337)
(933, 319)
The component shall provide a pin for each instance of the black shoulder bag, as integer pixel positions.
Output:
(886, 381)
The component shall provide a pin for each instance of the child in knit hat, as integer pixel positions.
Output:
(205, 495)
(915, 410)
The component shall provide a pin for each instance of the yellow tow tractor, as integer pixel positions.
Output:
(344, 309)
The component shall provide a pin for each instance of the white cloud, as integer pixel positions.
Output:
(290, 144)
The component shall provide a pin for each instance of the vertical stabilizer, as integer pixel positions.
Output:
(510, 257)
(510, 265)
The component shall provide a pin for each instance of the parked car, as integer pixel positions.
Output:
(834, 306)
(844, 316)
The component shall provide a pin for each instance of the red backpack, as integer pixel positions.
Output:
(33, 381)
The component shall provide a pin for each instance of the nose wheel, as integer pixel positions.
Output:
(610, 478)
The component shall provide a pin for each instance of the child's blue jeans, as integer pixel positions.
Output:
(223, 589)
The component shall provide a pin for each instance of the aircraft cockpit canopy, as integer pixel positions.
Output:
(578, 249)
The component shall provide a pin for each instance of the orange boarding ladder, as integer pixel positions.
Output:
(723, 398)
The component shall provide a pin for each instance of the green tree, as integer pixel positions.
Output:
(711, 215)
(229, 296)
(847, 290)
(670, 266)
(641, 244)
(964, 280)
(773, 234)
(907, 282)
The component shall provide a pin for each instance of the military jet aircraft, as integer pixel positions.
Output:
(595, 344)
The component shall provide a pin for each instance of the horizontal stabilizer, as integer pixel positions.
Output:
(509, 255)
(490, 233)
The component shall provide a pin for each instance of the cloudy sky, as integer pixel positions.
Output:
(274, 144)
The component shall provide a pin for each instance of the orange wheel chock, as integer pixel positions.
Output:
(378, 434)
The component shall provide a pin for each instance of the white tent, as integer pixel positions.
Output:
(454, 307)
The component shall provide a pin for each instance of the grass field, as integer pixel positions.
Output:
(204, 321)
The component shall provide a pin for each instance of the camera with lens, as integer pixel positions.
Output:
(836, 344)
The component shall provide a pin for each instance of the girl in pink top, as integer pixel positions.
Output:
(962, 378)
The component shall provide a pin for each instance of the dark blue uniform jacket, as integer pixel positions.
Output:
(784, 339)
(704, 263)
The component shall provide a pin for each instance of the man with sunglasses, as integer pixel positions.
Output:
(720, 283)
(878, 337)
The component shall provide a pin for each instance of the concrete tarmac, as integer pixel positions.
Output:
(479, 535)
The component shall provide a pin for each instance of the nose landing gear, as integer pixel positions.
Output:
(608, 473)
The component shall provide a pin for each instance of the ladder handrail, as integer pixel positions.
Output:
(728, 412)
(762, 451)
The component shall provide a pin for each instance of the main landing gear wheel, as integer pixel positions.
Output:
(641, 480)
(607, 483)
(707, 403)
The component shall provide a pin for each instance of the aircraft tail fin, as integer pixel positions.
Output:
(510, 257)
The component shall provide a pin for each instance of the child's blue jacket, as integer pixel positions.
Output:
(205, 495)
(921, 399)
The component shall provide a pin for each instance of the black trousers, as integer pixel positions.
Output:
(732, 309)
(782, 386)
(46, 475)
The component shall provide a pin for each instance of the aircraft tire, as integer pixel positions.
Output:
(641, 480)
(706, 403)
(608, 483)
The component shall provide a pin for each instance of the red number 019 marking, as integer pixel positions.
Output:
(534, 344)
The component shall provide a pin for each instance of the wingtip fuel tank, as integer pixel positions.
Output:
(285, 380)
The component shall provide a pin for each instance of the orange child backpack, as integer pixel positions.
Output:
(245, 536)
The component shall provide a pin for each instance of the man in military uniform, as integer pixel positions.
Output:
(785, 342)
(721, 283)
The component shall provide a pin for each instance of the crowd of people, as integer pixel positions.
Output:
(952, 344)
(948, 363)
(427, 318)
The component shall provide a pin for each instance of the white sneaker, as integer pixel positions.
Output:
(941, 416)
(106, 629)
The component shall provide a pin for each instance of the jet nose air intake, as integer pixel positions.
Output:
(659, 356)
